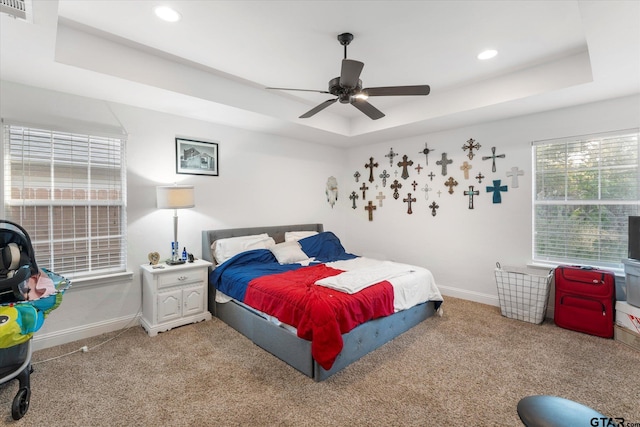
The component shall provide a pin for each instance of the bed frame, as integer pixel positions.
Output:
(285, 344)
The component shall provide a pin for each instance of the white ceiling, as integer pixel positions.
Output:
(215, 63)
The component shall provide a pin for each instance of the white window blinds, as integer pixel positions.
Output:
(585, 189)
(68, 191)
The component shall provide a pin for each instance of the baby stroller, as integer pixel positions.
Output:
(27, 296)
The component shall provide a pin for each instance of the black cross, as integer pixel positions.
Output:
(356, 175)
(426, 152)
(493, 156)
(431, 175)
(371, 165)
(433, 206)
(353, 198)
(403, 164)
(364, 188)
(480, 177)
(395, 186)
(471, 145)
(409, 200)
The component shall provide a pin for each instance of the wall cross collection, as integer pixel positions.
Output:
(471, 149)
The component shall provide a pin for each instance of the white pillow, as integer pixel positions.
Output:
(297, 235)
(288, 252)
(223, 249)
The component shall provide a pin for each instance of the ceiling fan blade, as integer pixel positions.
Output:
(318, 108)
(350, 73)
(299, 90)
(368, 109)
(398, 90)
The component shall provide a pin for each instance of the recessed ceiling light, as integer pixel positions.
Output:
(487, 54)
(167, 14)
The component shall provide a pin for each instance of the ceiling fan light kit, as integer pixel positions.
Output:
(347, 88)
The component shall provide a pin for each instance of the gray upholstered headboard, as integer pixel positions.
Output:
(277, 232)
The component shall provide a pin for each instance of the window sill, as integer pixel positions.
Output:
(107, 279)
(618, 272)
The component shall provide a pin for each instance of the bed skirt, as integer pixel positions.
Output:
(296, 351)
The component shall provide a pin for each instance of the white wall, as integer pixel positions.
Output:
(461, 246)
(269, 180)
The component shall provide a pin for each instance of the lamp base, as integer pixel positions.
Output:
(175, 262)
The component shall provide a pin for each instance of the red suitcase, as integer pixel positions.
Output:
(585, 300)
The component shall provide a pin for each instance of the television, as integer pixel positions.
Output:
(634, 237)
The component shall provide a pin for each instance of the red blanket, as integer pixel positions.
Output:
(321, 314)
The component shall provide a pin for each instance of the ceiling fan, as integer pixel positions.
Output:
(348, 87)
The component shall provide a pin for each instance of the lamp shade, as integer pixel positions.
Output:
(175, 197)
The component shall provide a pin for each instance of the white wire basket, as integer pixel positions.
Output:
(523, 292)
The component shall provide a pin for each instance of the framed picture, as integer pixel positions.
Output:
(196, 157)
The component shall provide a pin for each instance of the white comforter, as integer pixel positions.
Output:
(411, 284)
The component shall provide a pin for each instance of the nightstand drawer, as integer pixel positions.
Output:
(181, 277)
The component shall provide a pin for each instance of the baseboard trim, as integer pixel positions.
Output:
(483, 298)
(469, 295)
(42, 341)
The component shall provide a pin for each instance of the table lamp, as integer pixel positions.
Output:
(175, 197)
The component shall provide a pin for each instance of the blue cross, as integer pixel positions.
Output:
(497, 188)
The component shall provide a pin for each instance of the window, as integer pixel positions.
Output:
(68, 191)
(585, 189)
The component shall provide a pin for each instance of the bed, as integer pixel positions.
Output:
(362, 332)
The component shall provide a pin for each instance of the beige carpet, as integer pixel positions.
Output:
(469, 367)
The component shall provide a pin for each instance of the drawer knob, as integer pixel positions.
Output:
(181, 278)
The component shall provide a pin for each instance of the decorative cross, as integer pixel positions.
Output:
(395, 172)
(426, 190)
(370, 207)
(439, 193)
(380, 198)
(396, 186)
(493, 156)
(391, 155)
(431, 175)
(403, 164)
(371, 165)
(465, 168)
(409, 200)
(471, 192)
(384, 175)
(471, 145)
(426, 152)
(414, 184)
(418, 168)
(364, 188)
(353, 198)
(433, 206)
(451, 183)
(444, 162)
(480, 177)
(497, 188)
(357, 176)
(514, 173)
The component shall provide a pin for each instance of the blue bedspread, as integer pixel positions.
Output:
(239, 270)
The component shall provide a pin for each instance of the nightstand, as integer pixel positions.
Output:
(173, 296)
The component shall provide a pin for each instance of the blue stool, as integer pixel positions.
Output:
(552, 411)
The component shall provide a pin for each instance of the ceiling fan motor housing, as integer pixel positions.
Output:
(344, 94)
